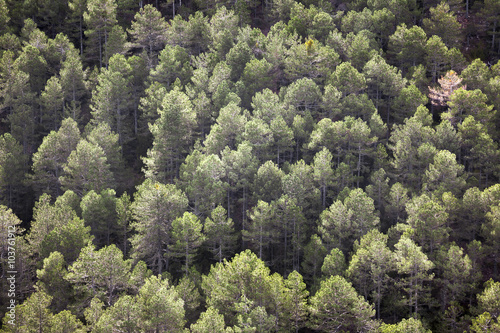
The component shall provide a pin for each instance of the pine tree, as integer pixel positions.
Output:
(186, 238)
(414, 265)
(172, 134)
(13, 167)
(337, 307)
(220, 234)
(99, 17)
(51, 156)
(86, 169)
(111, 100)
(155, 207)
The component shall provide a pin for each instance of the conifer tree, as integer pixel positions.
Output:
(220, 234)
(187, 237)
(155, 207)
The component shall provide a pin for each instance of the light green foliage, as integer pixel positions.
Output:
(480, 151)
(289, 230)
(160, 307)
(347, 79)
(173, 64)
(384, 83)
(361, 47)
(148, 30)
(220, 234)
(188, 290)
(227, 129)
(101, 273)
(296, 301)
(302, 95)
(73, 80)
(259, 135)
(378, 189)
(259, 230)
(201, 176)
(355, 21)
(222, 30)
(469, 102)
(350, 139)
(268, 182)
(266, 106)
(405, 325)
(299, 184)
(334, 263)
(111, 100)
(17, 100)
(255, 78)
(279, 40)
(444, 24)
(370, 266)
(406, 140)
(172, 134)
(347, 221)
(435, 56)
(310, 60)
(155, 207)
(123, 315)
(429, 220)
(444, 174)
(56, 228)
(10, 231)
(33, 315)
(51, 280)
(4, 17)
(251, 318)
(52, 103)
(414, 266)
(237, 59)
(247, 276)
(186, 238)
(408, 44)
(484, 323)
(149, 105)
(68, 239)
(283, 138)
(109, 141)
(32, 62)
(240, 166)
(456, 273)
(476, 75)
(116, 43)
(337, 307)
(447, 137)
(66, 322)
(94, 312)
(488, 300)
(52, 154)
(86, 169)
(323, 172)
(331, 102)
(210, 321)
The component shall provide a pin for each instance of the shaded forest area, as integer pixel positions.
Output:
(250, 166)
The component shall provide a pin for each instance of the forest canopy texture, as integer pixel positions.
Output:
(250, 166)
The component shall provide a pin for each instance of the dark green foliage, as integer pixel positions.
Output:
(160, 137)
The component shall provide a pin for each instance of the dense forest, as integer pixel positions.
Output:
(249, 166)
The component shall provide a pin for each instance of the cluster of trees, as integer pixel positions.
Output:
(275, 166)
